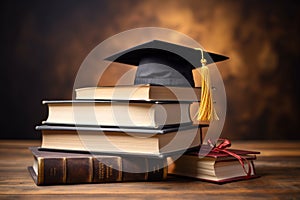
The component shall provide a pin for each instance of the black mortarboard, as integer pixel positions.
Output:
(163, 63)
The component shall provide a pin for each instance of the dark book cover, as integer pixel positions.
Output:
(54, 168)
(115, 101)
(162, 130)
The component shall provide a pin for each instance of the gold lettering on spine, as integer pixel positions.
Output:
(101, 171)
(108, 171)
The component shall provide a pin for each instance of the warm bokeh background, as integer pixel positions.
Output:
(44, 43)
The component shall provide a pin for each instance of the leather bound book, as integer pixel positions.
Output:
(154, 169)
(106, 169)
(55, 168)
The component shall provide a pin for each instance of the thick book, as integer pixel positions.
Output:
(54, 168)
(118, 141)
(118, 113)
(139, 92)
(214, 167)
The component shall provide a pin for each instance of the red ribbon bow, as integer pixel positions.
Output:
(225, 143)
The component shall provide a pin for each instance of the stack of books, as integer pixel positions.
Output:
(105, 150)
(128, 133)
(108, 134)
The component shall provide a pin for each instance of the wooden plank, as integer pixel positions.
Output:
(280, 178)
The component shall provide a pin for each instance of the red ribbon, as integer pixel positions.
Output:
(225, 143)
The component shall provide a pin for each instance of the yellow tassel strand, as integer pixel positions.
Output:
(206, 110)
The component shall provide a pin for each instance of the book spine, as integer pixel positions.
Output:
(56, 171)
(143, 169)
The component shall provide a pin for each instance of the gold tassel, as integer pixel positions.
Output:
(206, 110)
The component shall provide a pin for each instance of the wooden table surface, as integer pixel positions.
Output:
(278, 165)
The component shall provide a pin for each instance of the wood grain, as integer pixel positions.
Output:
(278, 165)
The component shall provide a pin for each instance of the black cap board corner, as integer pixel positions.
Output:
(163, 63)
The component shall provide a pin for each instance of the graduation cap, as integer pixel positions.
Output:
(167, 64)
(163, 63)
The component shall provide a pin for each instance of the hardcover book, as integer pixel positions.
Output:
(118, 113)
(116, 140)
(214, 167)
(54, 168)
(139, 92)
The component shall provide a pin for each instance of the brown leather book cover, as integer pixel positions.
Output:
(79, 170)
(54, 168)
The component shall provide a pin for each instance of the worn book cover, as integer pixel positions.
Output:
(53, 168)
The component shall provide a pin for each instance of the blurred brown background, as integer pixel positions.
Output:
(44, 43)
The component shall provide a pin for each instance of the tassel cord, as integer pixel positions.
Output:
(206, 111)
